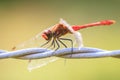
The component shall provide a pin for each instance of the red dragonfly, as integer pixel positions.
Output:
(62, 28)
(53, 36)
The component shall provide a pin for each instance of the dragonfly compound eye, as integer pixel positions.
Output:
(47, 35)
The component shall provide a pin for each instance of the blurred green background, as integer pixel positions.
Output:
(22, 19)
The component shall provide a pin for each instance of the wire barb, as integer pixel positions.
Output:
(39, 53)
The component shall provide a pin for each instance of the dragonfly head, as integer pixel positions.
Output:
(47, 34)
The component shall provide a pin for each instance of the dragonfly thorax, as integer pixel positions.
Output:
(56, 31)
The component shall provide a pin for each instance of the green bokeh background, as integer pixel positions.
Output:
(23, 19)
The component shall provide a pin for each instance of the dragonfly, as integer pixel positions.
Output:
(52, 38)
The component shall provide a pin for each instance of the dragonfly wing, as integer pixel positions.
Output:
(34, 64)
(36, 42)
(78, 39)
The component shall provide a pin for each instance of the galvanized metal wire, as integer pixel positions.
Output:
(39, 53)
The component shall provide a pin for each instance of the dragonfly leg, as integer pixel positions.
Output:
(67, 40)
(45, 43)
(62, 42)
(52, 44)
(58, 45)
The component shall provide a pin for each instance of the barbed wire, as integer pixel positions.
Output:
(39, 53)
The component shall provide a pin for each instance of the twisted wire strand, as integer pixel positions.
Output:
(39, 53)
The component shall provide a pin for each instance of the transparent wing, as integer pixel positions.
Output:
(78, 39)
(34, 42)
(34, 64)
